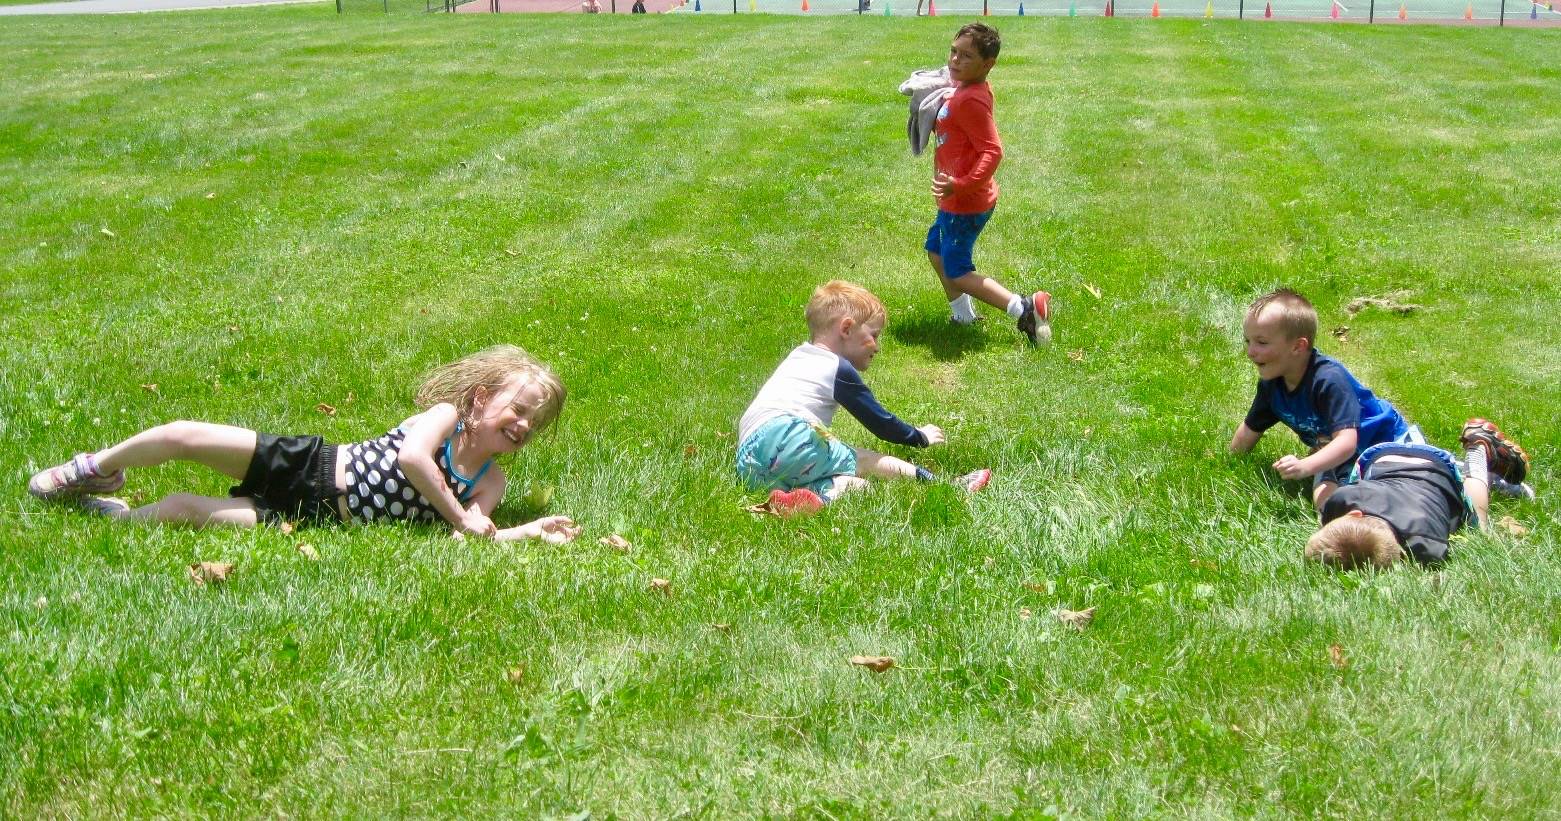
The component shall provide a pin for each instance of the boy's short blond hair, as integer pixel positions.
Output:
(1351, 541)
(837, 299)
(1296, 316)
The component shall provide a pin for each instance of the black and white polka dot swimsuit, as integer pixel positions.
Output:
(377, 490)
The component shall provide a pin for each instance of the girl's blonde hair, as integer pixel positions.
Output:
(1351, 541)
(492, 368)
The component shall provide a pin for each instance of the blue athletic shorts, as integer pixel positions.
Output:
(1345, 474)
(788, 452)
(953, 237)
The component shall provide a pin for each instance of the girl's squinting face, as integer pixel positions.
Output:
(509, 413)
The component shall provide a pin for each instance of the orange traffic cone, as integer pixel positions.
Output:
(1109, 12)
(805, 5)
(1333, 11)
(1154, 11)
(1403, 12)
(1468, 12)
(932, 9)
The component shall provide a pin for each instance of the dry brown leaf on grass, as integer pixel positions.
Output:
(761, 509)
(149, 387)
(515, 675)
(286, 528)
(308, 552)
(328, 410)
(1093, 291)
(107, 233)
(1077, 619)
(1387, 302)
(211, 195)
(1336, 657)
(1342, 333)
(661, 586)
(615, 542)
(203, 573)
(1036, 586)
(722, 626)
(1076, 356)
(1511, 525)
(877, 664)
(1025, 613)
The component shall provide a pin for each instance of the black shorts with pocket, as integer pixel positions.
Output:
(291, 478)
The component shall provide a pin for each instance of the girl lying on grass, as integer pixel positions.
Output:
(436, 464)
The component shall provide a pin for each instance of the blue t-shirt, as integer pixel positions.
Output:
(1328, 400)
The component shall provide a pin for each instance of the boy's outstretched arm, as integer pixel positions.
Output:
(1244, 439)
(1327, 457)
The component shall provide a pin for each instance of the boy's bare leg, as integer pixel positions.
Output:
(195, 510)
(880, 466)
(984, 288)
(950, 290)
(223, 448)
(848, 484)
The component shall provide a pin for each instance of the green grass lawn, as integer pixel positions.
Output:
(256, 211)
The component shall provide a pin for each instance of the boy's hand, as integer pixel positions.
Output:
(933, 433)
(477, 523)
(1291, 468)
(942, 185)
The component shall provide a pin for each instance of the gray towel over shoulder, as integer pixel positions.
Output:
(927, 88)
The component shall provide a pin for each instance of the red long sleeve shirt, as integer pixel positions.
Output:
(969, 149)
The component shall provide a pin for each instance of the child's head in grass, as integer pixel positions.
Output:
(846, 318)
(1279, 330)
(485, 382)
(973, 53)
(1355, 539)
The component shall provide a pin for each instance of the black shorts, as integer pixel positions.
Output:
(291, 477)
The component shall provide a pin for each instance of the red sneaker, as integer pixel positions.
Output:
(1035, 322)
(797, 502)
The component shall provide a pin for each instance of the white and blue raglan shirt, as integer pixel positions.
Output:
(1328, 400)
(809, 384)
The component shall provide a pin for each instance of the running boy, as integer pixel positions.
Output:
(1412, 497)
(1315, 396)
(968, 151)
(784, 438)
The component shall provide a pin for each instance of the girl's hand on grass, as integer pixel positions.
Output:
(550, 529)
(933, 433)
(554, 529)
(477, 523)
(1290, 467)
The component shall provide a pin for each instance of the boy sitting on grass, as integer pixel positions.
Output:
(1334, 415)
(784, 439)
(1412, 497)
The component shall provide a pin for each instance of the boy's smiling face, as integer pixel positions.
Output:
(1272, 351)
(859, 341)
(966, 65)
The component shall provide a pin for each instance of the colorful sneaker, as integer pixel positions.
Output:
(1035, 322)
(73, 479)
(973, 481)
(795, 502)
(103, 505)
(1504, 457)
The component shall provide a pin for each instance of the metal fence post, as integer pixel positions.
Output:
(1241, 10)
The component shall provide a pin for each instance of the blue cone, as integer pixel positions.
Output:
(696, 5)
(1533, 11)
(1021, 9)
